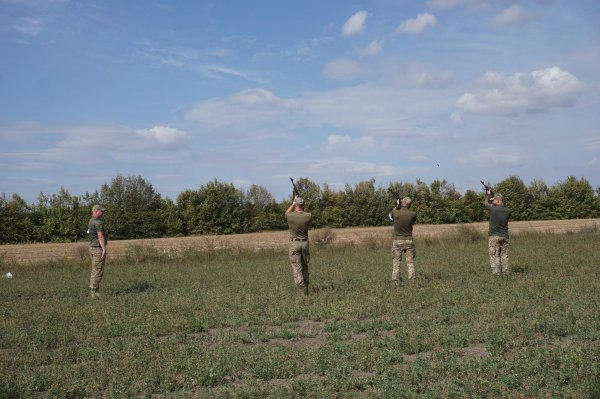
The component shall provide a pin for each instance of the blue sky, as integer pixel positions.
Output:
(253, 92)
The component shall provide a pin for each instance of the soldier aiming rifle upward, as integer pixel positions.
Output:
(298, 223)
(498, 243)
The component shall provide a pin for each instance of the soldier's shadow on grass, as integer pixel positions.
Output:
(518, 269)
(136, 287)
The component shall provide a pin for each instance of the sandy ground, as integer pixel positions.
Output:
(26, 254)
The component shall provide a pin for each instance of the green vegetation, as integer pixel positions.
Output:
(231, 324)
(136, 210)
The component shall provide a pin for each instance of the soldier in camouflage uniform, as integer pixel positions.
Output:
(298, 223)
(98, 241)
(498, 232)
(403, 243)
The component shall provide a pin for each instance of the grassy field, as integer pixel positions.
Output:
(231, 324)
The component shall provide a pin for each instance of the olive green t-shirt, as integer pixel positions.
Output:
(298, 223)
(404, 220)
(94, 226)
(499, 216)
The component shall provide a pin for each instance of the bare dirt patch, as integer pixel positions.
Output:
(26, 254)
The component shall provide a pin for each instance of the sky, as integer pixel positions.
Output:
(183, 92)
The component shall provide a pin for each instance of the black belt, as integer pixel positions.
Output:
(299, 239)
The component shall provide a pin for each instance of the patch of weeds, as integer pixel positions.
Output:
(82, 255)
(591, 385)
(589, 230)
(6, 263)
(323, 238)
(468, 233)
(497, 345)
(376, 241)
(429, 241)
(137, 254)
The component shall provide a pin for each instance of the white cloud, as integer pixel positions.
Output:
(194, 60)
(418, 24)
(434, 80)
(249, 112)
(377, 110)
(344, 167)
(440, 4)
(399, 131)
(342, 69)
(511, 95)
(418, 157)
(334, 141)
(592, 144)
(30, 26)
(87, 144)
(511, 15)
(225, 70)
(467, 4)
(260, 97)
(355, 24)
(373, 48)
(163, 135)
(496, 156)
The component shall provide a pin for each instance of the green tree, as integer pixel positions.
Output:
(15, 220)
(218, 207)
(262, 209)
(422, 203)
(473, 209)
(188, 205)
(331, 208)
(542, 205)
(133, 208)
(444, 203)
(63, 218)
(516, 197)
(171, 219)
(573, 198)
(366, 205)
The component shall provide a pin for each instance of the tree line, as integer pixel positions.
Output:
(136, 210)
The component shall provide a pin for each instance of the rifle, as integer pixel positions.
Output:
(487, 188)
(396, 203)
(295, 192)
(395, 194)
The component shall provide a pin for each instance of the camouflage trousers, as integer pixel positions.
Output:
(97, 268)
(299, 258)
(498, 250)
(407, 247)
